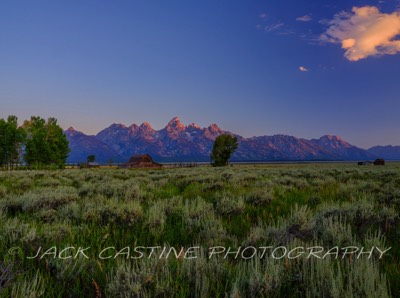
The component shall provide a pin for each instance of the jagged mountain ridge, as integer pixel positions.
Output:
(386, 152)
(82, 146)
(177, 142)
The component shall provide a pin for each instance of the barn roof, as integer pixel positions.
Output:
(140, 158)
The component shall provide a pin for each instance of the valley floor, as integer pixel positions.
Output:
(248, 230)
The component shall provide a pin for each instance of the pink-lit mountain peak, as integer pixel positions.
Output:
(214, 127)
(174, 125)
(133, 127)
(72, 132)
(117, 126)
(193, 126)
(145, 126)
(332, 138)
(333, 142)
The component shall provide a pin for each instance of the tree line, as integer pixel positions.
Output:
(37, 143)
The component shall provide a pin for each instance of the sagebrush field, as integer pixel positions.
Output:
(241, 206)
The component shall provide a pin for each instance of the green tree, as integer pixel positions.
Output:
(91, 158)
(11, 141)
(57, 142)
(224, 146)
(46, 143)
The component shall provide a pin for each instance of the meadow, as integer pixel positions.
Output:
(46, 216)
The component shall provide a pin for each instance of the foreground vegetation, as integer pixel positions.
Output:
(240, 206)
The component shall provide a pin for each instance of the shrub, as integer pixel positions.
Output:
(49, 182)
(257, 278)
(148, 277)
(29, 287)
(8, 273)
(360, 278)
(156, 217)
(126, 214)
(46, 198)
(229, 207)
(259, 197)
(3, 191)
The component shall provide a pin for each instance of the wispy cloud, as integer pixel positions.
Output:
(305, 18)
(273, 27)
(365, 32)
(303, 69)
(263, 16)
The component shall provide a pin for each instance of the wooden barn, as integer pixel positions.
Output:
(379, 162)
(140, 161)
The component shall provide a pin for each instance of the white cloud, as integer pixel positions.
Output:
(365, 32)
(303, 69)
(273, 27)
(305, 18)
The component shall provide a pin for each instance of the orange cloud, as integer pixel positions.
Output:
(303, 69)
(365, 32)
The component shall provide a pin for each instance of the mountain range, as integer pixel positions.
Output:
(192, 143)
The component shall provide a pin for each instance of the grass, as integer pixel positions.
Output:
(239, 206)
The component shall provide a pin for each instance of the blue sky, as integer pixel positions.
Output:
(252, 67)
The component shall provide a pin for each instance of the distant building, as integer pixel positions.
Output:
(365, 163)
(140, 161)
(379, 162)
(89, 165)
(93, 165)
